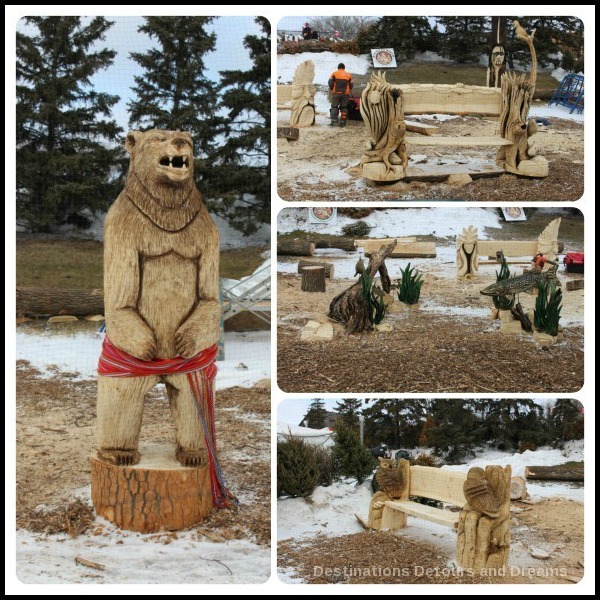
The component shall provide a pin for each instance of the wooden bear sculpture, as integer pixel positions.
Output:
(161, 282)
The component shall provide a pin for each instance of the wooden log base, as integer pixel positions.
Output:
(157, 494)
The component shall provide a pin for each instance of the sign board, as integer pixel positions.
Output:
(322, 214)
(383, 58)
(514, 213)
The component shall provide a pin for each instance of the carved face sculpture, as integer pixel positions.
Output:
(498, 56)
(161, 157)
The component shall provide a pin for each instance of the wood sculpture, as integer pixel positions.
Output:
(351, 307)
(303, 95)
(161, 282)
(484, 522)
(467, 257)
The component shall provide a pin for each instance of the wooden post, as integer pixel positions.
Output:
(329, 268)
(483, 540)
(295, 248)
(157, 494)
(313, 279)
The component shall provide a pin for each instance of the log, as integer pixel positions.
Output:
(405, 249)
(421, 128)
(576, 284)
(295, 248)
(313, 279)
(41, 302)
(157, 494)
(555, 473)
(290, 133)
(350, 307)
(518, 488)
(346, 244)
(329, 267)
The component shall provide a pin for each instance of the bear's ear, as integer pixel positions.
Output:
(380, 459)
(133, 138)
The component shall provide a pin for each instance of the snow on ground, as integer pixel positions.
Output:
(554, 112)
(325, 64)
(237, 287)
(139, 558)
(315, 437)
(440, 222)
(247, 355)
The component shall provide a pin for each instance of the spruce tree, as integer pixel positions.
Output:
(510, 421)
(349, 409)
(316, 414)
(65, 157)
(238, 180)
(465, 39)
(174, 92)
(351, 458)
(566, 419)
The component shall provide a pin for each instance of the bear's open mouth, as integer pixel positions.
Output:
(177, 162)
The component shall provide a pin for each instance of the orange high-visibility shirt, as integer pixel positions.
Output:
(340, 82)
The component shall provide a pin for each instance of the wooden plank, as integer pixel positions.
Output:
(576, 284)
(456, 141)
(438, 484)
(509, 247)
(457, 99)
(422, 511)
(284, 93)
(434, 172)
(421, 128)
(405, 249)
(360, 243)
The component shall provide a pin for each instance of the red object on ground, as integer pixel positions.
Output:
(574, 262)
(354, 109)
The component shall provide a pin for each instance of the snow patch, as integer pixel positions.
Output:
(554, 112)
(325, 64)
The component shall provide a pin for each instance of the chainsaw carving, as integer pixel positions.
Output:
(548, 240)
(467, 258)
(527, 283)
(303, 95)
(496, 65)
(161, 285)
(390, 477)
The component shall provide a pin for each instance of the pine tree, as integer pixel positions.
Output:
(316, 414)
(65, 161)
(395, 422)
(351, 458)
(465, 39)
(349, 409)
(174, 92)
(510, 421)
(238, 181)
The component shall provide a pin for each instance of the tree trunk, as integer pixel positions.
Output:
(518, 488)
(295, 248)
(346, 244)
(555, 473)
(40, 302)
(313, 279)
(483, 541)
(157, 494)
(351, 307)
(329, 268)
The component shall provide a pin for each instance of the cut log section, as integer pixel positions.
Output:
(41, 302)
(329, 267)
(346, 244)
(518, 488)
(157, 494)
(576, 284)
(313, 279)
(290, 133)
(572, 472)
(295, 248)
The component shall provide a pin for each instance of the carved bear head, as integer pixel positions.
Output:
(161, 157)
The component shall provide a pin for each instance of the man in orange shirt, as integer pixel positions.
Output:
(340, 84)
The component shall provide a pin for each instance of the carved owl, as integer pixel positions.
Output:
(479, 494)
(389, 477)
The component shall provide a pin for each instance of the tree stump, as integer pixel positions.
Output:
(329, 268)
(295, 248)
(313, 279)
(484, 524)
(157, 494)
(518, 488)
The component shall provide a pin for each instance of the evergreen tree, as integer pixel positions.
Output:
(465, 38)
(238, 181)
(511, 421)
(174, 93)
(351, 458)
(395, 422)
(566, 418)
(64, 132)
(316, 414)
(407, 35)
(349, 409)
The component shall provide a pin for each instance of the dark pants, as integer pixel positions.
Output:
(339, 103)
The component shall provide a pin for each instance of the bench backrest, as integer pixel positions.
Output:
(284, 93)
(438, 484)
(458, 99)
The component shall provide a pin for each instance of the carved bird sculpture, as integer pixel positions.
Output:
(360, 267)
(389, 477)
(479, 494)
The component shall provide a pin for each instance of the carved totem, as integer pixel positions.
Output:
(303, 95)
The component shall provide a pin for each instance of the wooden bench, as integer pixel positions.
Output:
(482, 495)
(406, 247)
(384, 107)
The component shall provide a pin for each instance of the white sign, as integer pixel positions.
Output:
(383, 58)
(514, 213)
(322, 214)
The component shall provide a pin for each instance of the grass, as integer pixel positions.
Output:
(69, 263)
